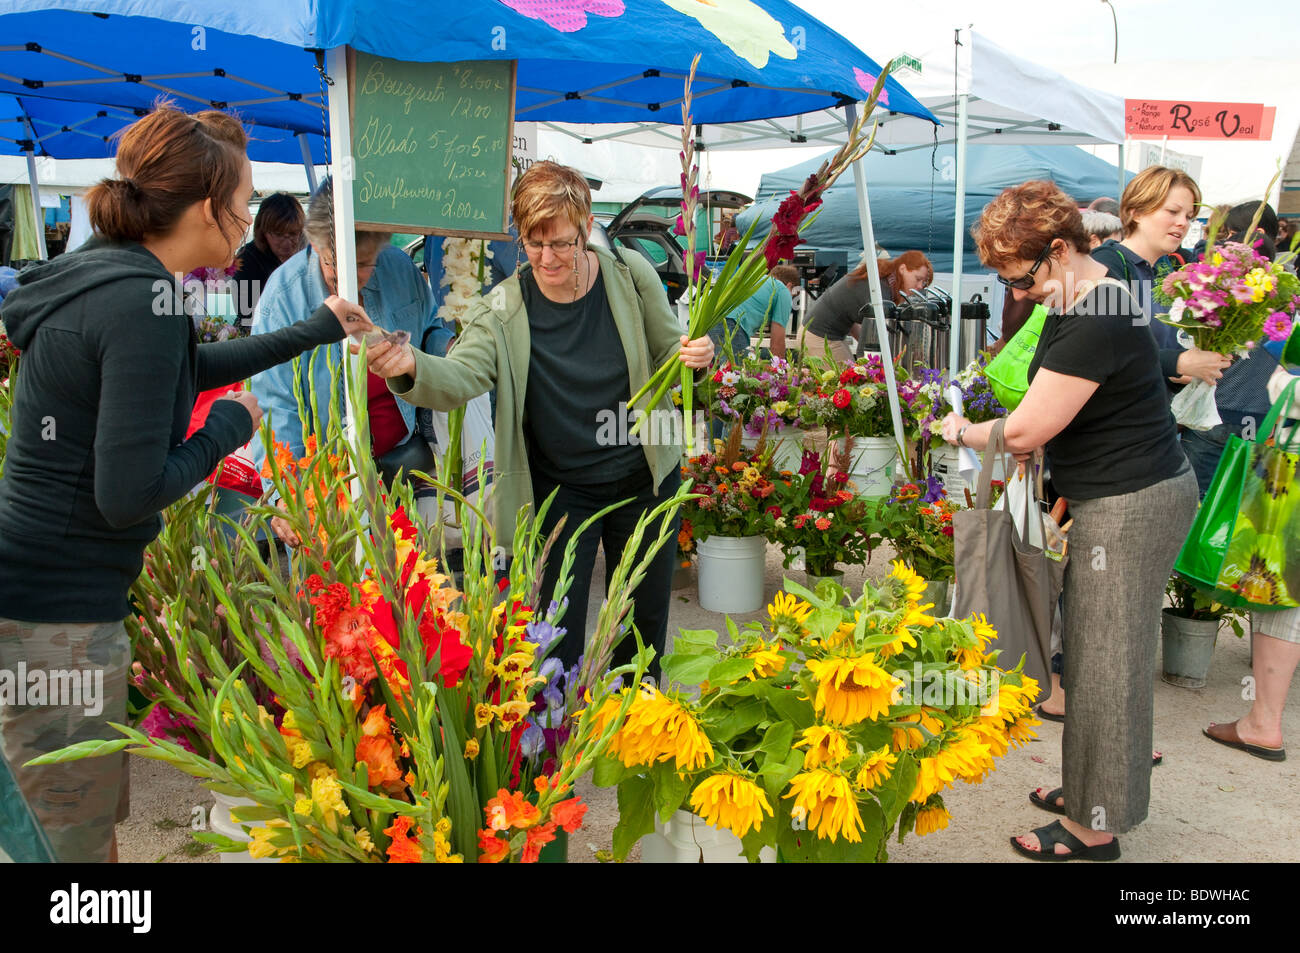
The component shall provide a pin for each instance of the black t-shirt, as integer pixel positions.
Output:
(577, 389)
(1124, 438)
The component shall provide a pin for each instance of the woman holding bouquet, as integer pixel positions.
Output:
(111, 366)
(1096, 402)
(566, 341)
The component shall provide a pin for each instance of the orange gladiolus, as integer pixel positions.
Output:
(510, 809)
(537, 838)
(569, 814)
(403, 850)
(380, 761)
(492, 849)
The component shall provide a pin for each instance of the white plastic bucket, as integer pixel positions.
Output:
(731, 573)
(787, 447)
(220, 821)
(944, 465)
(686, 839)
(874, 460)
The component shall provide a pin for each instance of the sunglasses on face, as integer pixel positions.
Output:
(1026, 281)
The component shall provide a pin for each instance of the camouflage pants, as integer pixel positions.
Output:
(78, 802)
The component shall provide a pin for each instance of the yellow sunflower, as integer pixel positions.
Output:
(788, 612)
(913, 584)
(853, 689)
(877, 768)
(826, 745)
(903, 638)
(965, 758)
(658, 729)
(931, 818)
(731, 801)
(826, 800)
(908, 734)
(768, 660)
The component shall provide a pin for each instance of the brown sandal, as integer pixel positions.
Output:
(1227, 735)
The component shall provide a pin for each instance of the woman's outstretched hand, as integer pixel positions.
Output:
(352, 317)
(387, 359)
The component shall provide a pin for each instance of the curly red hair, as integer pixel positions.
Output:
(1023, 220)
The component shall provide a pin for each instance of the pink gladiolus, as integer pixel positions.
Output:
(679, 228)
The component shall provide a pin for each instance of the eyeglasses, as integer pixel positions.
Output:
(560, 248)
(1026, 281)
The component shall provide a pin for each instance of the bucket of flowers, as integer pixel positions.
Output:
(916, 521)
(932, 403)
(733, 514)
(819, 731)
(371, 712)
(824, 521)
(851, 404)
(762, 396)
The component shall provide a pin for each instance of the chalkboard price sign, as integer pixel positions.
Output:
(431, 145)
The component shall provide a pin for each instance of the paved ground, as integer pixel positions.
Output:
(1209, 804)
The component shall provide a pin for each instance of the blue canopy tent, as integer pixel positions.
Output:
(913, 201)
(597, 61)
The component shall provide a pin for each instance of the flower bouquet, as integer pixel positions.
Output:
(932, 403)
(746, 267)
(763, 395)
(820, 731)
(916, 520)
(822, 519)
(409, 721)
(1226, 302)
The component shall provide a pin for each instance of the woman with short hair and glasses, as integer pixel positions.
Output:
(1096, 402)
(566, 341)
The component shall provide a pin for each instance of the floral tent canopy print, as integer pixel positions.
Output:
(748, 30)
(567, 16)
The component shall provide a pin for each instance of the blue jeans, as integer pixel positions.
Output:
(1204, 448)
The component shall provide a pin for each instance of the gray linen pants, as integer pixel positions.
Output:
(1122, 549)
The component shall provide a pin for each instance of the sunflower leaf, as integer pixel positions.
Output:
(636, 813)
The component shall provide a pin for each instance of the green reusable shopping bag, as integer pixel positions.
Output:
(1244, 544)
(1291, 350)
(1008, 373)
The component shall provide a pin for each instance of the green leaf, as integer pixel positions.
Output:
(766, 836)
(671, 788)
(608, 772)
(688, 669)
(95, 748)
(777, 774)
(789, 705)
(777, 741)
(695, 641)
(250, 813)
(736, 721)
(636, 813)
(897, 788)
(804, 846)
(730, 670)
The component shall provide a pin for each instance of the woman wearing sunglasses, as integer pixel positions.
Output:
(1096, 402)
(565, 341)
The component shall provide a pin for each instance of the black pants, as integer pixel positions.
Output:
(650, 613)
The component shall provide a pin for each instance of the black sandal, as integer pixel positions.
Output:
(1049, 715)
(1048, 803)
(1055, 833)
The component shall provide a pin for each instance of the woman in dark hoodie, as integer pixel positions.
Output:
(107, 380)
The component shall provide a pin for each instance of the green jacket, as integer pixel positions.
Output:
(493, 351)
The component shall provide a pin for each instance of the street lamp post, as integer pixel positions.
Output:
(1115, 22)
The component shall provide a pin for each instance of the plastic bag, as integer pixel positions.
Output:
(1013, 501)
(1194, 406)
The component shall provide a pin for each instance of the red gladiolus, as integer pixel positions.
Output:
(780, 247)
(537, 838)
(569, 814)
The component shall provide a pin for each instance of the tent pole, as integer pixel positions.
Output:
(873, 283)
(345, 246)
(958, 234)
(307, 164)
(35, 185)
(1123, 158)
